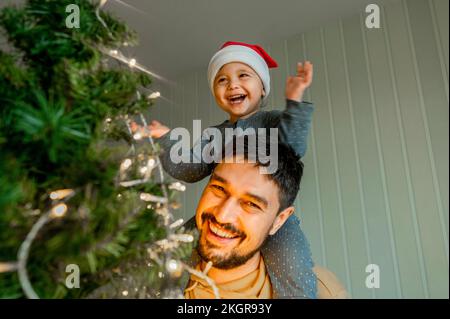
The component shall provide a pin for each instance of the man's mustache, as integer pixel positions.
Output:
(230, 227)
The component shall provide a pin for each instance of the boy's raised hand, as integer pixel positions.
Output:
(155, 129)
(296, 85)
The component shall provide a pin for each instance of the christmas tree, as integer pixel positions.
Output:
(85, 209)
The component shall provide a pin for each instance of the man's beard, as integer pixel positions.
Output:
(219, 261)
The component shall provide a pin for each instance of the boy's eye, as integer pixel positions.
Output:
(243, 74)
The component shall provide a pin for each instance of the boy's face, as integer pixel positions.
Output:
(238, 90)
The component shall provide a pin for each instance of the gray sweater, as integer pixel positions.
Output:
(293, 127)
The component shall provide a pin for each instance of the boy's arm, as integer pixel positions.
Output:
(295, 124)
(189, 172)
(295, 121)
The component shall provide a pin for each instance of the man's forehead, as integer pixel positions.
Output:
(244, 175)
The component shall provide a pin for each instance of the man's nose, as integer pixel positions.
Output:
(227, 212)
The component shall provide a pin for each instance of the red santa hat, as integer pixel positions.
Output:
(251, 54)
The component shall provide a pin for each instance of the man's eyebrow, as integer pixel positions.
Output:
(218, 178)
(258, 199)
(255, 197)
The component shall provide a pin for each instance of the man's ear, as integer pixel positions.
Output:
(281, 219)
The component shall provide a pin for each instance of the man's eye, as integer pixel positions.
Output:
(251, 204)
(219, 188)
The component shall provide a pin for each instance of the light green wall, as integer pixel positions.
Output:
(375, 188)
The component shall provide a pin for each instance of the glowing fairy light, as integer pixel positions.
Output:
(146, 197)
(137, 136)
(59, 210)
(61, 194)
(154, 95)
(177, 223)
(126, 164)
(132, 63)
(177, 186)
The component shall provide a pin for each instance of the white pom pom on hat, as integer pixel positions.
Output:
(251, 54)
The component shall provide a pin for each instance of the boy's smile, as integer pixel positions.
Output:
(238, 90)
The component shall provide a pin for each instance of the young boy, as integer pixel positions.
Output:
(238, 76)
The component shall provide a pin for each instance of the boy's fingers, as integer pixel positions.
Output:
(309, 72)
(299, 67)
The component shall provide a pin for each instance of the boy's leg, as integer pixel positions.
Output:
(289, 262)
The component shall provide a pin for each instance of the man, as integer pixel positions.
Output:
(238, 210)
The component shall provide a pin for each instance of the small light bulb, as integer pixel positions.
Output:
(126, 164)
(61, 193)
(59, 210)
(137, 136)
(132, 62)
(154, 95)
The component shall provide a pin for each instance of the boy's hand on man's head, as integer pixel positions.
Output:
(155, 129)
(296, 85)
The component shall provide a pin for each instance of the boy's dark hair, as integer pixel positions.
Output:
(288, 173)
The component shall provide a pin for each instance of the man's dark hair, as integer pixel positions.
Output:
(288, 173)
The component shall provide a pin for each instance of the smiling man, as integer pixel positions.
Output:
(238, 210)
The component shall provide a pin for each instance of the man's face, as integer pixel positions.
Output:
(238, 89)
(237, 211)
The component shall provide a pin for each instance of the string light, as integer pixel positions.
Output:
(146, 197)
(177, 223)
(177, 186)
(151, 162)
(58, 210)
(61, 194)
(154, 95)
(143, 170)
(187, 238)
(132, 63)
(126, 164)
(174, 268)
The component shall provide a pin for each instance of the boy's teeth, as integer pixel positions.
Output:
(237, 98)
